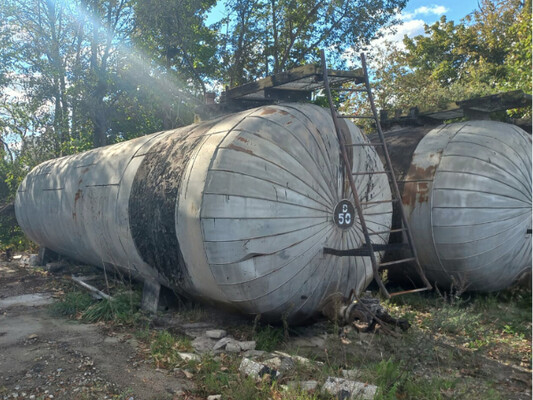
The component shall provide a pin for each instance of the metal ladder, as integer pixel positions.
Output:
(370, 248)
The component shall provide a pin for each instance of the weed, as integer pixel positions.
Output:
(164, 349)
(268, 338)
(122, 308)
(421, 388)
(455, 319)
(248, 388)
(389, 377)
(144, 334)
(72, 304)
(125, 395)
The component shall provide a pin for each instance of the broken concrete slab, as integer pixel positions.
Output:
(221, 344)
(347, 389)
(247, 345)
(254, 353)
(233, 347)
(307, 386)
(203, 344)
(216, 333)
(281, 364)
(256, 370)
(189, 356)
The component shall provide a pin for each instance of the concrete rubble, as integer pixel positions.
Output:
(216, 341)
(347, 389)
(256, 370)
(308, 386)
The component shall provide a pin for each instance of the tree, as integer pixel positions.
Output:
(488, 52)
(270, 36)
(174, 34)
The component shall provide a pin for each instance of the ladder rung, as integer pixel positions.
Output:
(356, 116)
(410, 291)
(370, 172)
(404, 260)
(365, 144)
(364, 203)
(389, 231)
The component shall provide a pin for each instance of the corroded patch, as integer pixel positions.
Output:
(152, 204)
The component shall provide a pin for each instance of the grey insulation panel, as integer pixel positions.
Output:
(468, 197)
(235, 211)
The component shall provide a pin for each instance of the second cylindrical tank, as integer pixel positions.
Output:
(467, 194)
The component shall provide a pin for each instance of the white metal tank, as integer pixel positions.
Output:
(235, 211)
(468, 198)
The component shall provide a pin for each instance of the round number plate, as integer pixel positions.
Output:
(344, 214)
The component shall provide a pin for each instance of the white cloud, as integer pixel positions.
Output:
(431, 10)
(409, 26)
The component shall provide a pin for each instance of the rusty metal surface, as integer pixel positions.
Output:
(468, 196)
(235, 211)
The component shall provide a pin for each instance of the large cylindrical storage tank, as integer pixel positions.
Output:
(467, 194)
(235, 211)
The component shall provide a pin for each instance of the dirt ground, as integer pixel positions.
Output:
(43, 357)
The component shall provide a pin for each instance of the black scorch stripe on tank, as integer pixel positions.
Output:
(152, 204)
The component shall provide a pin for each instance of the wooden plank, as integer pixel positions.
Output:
(289, 80)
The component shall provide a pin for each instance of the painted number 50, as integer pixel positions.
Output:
(345, 217)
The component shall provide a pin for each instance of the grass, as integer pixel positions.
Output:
(72, 304)
(268, 338)
(459, 347)
(164, 349)
(123, 308)
(220, 375)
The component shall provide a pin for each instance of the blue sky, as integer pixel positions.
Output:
(455, 9)
(420, 12)
(415, 14)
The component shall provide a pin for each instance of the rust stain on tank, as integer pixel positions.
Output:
(416, 188)
(77, 196)
(268, 111)
(238, 148)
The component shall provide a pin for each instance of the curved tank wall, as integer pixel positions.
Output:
(468, 197)
(234, 211)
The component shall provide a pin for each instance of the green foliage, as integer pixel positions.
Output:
(72, 304)
(487, 52)
(389, 377)
(269, 36)
(122, 308)
(268, 338)
(164, 349)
